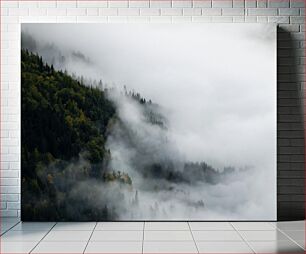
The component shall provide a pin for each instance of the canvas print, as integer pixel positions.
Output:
(135, 122)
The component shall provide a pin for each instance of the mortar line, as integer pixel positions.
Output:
(246, 242)
(10, 228)
(90, 236)
(143, 232)
(193, 237)
(43, 237)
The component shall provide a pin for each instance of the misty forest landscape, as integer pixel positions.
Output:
(120, 128)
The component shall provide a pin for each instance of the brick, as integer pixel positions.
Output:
(290, 182)
(13, 205)
(262, 12)
(291, 174)
(192, 11)
(250, 3)
(28, 4)
(137, 19)
(150, 12)
(279, 20)
(47, 4)
(4, 11)
(92, 19)
(262, 4)
(8, 181)
(9, 213)
(92, 4)
(66, 4)
(117, 19)
(238, 19)
(172, 12)
(222, 19)
(70, 19)
(18, 12)
(57, 12)
(9, 4)
(118, 4)
(297, 3)
(9, 197)
(233, 12)
(297, 19)
(211, 11)
(291, 189)
(289, 28)
(108, 11)
(76, 11)
(222, 3)
(3, 205)
(9, 173)
(238, 3)
(38, 11)
(10, 189)
(92, 11)
(179, 19)
(249, 19)
(291, 150)
(160, 19)
(182, 3)
(139, 4)
(128, 12)
(261, 19)
(289, 11)
(160, 4)
(278, 3)
(201, 19)
(202, 3)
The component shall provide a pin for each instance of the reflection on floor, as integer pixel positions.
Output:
(152, 237)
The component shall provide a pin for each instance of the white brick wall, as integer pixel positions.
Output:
(288, 13)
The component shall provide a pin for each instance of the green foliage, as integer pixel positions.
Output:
(61, 119)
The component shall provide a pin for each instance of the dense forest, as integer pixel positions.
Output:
(62, 120)
(68, 169)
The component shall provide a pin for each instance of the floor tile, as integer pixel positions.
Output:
(274, 235)
(60, 247)
(99, 236)
(5, 226)
(223, 247)
(63, 226)
(120, 226)
(276, 247)
(33, 226)
(291, 225)
(166, 226)
(216, 236)
(17, 247)
(169, 247)
(168, 236)
(114, 247)
(252, 226)
(211, 226)
(69, 236)
(23, 236)
(297, 235)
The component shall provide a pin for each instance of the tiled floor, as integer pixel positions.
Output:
(152, 237)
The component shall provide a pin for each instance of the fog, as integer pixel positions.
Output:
(215, 85)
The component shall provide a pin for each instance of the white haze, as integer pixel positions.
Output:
(217, 83)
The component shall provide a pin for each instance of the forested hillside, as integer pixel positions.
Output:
(62, 119)
(96, 153)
